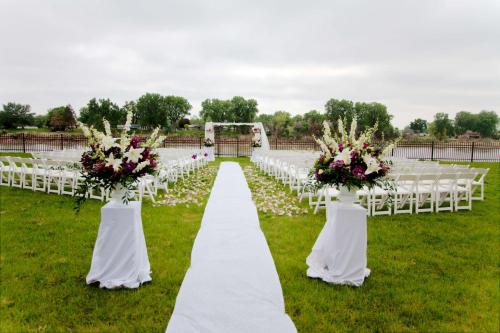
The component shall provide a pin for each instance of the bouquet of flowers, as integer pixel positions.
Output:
(208, 142)
(349, 161)
(116, 163)
(256, 143)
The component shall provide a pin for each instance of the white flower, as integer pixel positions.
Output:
(141, 166)
(134, 154)
(344, 155)
(372, 164)
(107, 141)
(126, 127)
(114, 162)
(107, 127)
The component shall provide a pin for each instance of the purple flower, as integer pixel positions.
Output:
(129, 166)
(194, 156)
(206, 154)
(365, 145)
(337, 165)
(341, 147)
(135, 141)
(354, 154)
(359, 171)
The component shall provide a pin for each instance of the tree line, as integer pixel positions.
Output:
(170, 112)
(484, 123)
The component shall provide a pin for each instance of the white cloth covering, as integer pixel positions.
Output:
(120, 256)
(210, 153)
(232, 284)
(339, 254)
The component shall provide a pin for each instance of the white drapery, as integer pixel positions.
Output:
(210, 131)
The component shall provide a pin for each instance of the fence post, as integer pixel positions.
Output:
(237, 146)
(432, 151)
(200, 142)
(276, 143)
(472, 153)
(62, 142)
(24, 143)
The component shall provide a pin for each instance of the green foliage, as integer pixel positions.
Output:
(15, 115)
(156, 110)
(184, 123)
(442, 127)
(367, 114)
(281, 124)
(465, 121)
(485, 123)
(40, 120)
(61, 118)
(419, 125)
(97, 110)
(237, 110)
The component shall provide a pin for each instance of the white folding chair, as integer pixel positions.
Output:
(425, 193)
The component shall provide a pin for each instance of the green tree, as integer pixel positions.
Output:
(314, 122)
(216, 110)
(339, 109)
(176, 108)
(441, 127)
(61, 118)
(419, 125)
(281, 124)
(41, 120)
(15, 115)
(368, 114)
(487, 122)
(266, 120)
(242, 110)
(151, 111)
(97, 110)
(237, 109)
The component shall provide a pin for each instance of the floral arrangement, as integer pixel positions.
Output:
(256, 140)
(116, 163)
(349, 161)
(208, 142)
(256, 143)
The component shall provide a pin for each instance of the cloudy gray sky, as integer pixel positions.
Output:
(418, 57)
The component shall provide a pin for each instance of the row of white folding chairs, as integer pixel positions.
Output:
(60, 155)
(289, 167)
(416, 193)
(59, 177)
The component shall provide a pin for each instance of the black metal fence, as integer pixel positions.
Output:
(242, 146)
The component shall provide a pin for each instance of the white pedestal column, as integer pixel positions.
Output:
(120, 256)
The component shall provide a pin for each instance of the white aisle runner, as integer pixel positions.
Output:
(232, 284)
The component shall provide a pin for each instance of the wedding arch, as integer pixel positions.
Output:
(257, 129)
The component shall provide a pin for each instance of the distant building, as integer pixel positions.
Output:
(470, 135)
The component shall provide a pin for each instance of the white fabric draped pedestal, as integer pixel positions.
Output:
(232, 284)
(339, 254)
(210, 153)
(120, 256)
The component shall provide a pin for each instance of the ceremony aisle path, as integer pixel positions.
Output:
(232, 284)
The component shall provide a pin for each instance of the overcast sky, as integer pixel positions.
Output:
(417, 57)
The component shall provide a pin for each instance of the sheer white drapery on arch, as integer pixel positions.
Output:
(210, 131)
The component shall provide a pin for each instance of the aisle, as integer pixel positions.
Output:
(232, 284)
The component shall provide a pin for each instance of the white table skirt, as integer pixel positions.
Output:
(210, 153)
(120, 256)
(339, 254)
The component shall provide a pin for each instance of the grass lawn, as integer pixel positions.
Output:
(430, 272)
